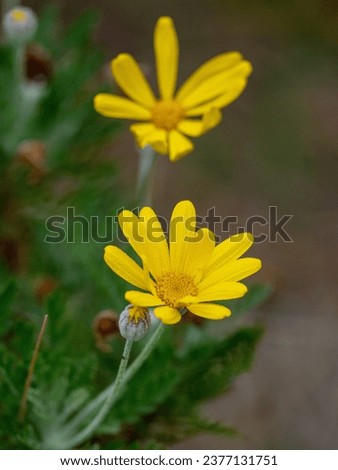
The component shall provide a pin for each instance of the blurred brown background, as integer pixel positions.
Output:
(277, 146)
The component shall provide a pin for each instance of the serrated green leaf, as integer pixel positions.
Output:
(210, 368)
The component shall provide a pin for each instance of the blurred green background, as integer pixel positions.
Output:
(276, 146)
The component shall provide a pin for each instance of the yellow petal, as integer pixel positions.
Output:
(133, 231)
(131, 80)
(220, 101)
(124, 266)
(142, 299)
(156, 246)
(145, 235)
(220, 291)
(195, 128)
(120, 108)
(217, 85)
(229, 250)
(234, 271)
(167, 315)
(214, 66)
(182, 226)
(158, 139)
(179, 146)
(166, 54)
(210, 311)
(198, 251)
(140, 131)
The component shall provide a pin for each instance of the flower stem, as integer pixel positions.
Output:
(144, 354)
(145, 176)
(110, 391)
(111, 397)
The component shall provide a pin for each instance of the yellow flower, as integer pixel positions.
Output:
(167, 120)
(190, 273)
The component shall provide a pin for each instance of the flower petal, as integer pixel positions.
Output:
(142, 299)
(131, 80)
(179, 146)
(124, 266)
(220, 101)
(217, 85)
(210, 311)
(182, 226)
(121, 108)
(198, 250)
(166, 53)
(214, 66)
(234, 271)
(229, 250)
(149, 134)
(158, 139)
(145, 235)
(140, 131)
(195, 128)
(220, 291)
(167, 315)
(156, 246)
(132, 230)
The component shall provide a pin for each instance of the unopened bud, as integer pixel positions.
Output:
(134, 322)
(20, 24)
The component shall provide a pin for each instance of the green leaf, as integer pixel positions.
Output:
(210, 368)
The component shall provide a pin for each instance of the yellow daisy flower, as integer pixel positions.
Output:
(167, 120)
(191, 273)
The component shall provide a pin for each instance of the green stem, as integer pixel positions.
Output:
(111, 398)
(148, 348)
(95, 404)
(145, 176)
(20, 65)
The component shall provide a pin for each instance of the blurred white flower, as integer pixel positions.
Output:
(19, 24)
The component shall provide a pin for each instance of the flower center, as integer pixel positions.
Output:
(18, 15)
(171, 287)
(167, 114)
(136, 314)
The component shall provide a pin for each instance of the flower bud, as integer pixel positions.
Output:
(134, 322)
(20, 24)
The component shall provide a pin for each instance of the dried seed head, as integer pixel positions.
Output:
(44, 287)
(33, 153)
(134, 322)
(38, 64)
(105, 326)
(19, 24)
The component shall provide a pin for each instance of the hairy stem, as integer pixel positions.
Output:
(145, 176)
(111, 398)
(92, 407)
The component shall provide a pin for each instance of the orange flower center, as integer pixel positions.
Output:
(171, 287)
(166, 114)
